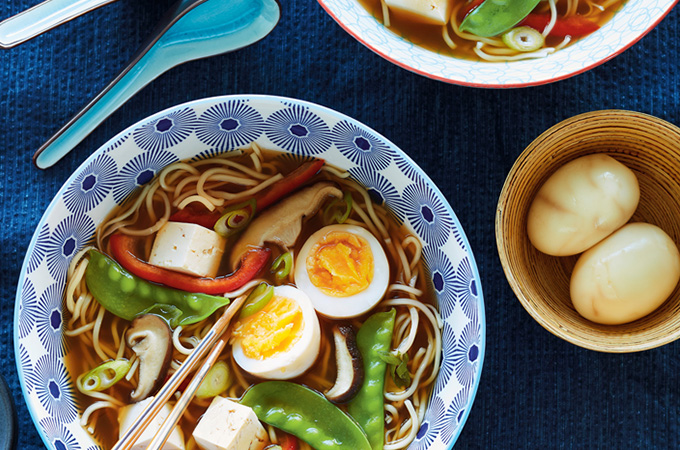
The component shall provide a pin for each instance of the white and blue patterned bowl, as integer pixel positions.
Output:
(629, 25)
(214, 125)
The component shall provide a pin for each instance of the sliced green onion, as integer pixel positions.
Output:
(215, 382)
(104, 376)
(523, 39)
(282, 266)
(236, 218)
(333, 213)
(257, 300)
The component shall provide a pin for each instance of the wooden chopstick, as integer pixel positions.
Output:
(139, 425)
(164, 431)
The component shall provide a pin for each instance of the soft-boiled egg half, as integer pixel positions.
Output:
(343, 269)
(281, 340)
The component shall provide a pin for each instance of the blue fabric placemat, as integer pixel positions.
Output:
(537, 391)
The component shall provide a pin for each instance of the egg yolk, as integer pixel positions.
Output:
(270, 331)
(340, 264)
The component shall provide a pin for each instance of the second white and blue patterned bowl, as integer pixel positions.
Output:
(221, 124)
(629, 25)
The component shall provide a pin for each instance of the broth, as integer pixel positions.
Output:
(462, 45)
(82, 357)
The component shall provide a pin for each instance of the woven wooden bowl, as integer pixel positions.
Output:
(647, 145)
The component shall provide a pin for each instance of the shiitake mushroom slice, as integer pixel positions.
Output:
(350, 367)
(150, 337)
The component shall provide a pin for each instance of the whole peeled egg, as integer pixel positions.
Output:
(280, 341)
(626, 276)
(580, 204)
(343, 269)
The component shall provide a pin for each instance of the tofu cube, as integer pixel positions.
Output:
(188, 248)
(428, 11)
(228, 425)
(128, 414)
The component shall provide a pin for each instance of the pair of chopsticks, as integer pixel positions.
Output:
(216, 339)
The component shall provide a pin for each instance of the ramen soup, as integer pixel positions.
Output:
(494, 31)
(338, 321)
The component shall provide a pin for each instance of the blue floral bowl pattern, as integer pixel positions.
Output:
(635, 19)
(215, 125)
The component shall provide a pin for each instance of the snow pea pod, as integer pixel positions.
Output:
(494, 17)
(305, 414)
(128, 296)
(367, 407)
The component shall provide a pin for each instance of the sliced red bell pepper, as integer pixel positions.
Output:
(288, 442)
(289, 183)
(122, 250)
(198, 214)
(574, 26)
(201, 216)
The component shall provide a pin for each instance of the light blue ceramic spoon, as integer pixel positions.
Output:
(194, 29)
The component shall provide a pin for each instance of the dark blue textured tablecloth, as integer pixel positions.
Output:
(537, 391)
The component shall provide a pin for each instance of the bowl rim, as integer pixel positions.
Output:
(264, 98)
(451, 80)
(513, 281)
